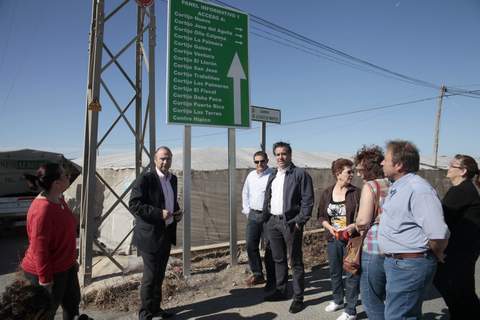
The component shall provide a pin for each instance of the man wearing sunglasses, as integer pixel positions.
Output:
(253, 194)
(153, 201)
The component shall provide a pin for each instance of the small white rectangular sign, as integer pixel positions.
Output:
(265, 114)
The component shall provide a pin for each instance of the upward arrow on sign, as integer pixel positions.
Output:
(236, 73)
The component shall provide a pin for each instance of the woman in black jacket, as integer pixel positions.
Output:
(336, 212)
(455, 279)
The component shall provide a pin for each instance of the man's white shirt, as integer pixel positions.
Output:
(253, 192)
(167, 193)
(276, 202)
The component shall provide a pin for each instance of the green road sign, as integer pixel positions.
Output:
(207, 65)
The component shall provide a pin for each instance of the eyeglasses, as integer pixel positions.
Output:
(456, 167)
(165, 159)
(259, 161)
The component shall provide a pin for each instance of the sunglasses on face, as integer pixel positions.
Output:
(259, 161)
(454, 166)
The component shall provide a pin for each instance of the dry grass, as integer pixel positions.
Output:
(210, 272)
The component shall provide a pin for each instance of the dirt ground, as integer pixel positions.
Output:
(211, 276)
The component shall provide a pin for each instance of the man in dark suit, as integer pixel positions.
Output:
(153, 201)
(287, 207)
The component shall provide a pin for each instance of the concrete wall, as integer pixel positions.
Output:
(210, 223)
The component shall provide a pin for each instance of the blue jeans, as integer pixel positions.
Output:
(407, 282)
(349, 290)
(372, 285)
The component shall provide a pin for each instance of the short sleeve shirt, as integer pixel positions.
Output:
(412, 215)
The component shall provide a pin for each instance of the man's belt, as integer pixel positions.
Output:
(407, 255)
(256, 211)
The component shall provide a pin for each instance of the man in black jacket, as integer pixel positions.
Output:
(153, 201)
(287, 207)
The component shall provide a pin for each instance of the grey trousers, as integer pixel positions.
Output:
(286, 244)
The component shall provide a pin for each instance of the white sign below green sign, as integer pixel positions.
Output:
(208, 76)
(266, 114)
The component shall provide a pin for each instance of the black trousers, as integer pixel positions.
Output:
(65, 292)
(455, 280)
(154, 265)
(286, 244)
(255, 229)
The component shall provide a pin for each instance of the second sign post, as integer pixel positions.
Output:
(208, 85)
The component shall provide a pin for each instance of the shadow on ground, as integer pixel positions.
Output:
(317, 281)
(436, 316)
(236, 316)
(238, 298)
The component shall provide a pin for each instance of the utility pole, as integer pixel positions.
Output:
(443, 89)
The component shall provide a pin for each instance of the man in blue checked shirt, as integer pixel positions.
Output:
(412, 232)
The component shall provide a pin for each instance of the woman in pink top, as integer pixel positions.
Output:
(51, 258)
(372, 279)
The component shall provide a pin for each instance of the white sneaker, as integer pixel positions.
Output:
(346, 316)
(332, 306)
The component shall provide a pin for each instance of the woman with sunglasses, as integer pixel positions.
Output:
(455, 279)
(368, 164)
(336, 212)
(51, 258)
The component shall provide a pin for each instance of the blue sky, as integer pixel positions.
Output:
(43, 72)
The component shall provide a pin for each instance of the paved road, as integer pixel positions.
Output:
(241, 303)
(249, 304)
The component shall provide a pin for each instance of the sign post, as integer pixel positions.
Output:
(265, 115)
(207, 85)
(207, 65)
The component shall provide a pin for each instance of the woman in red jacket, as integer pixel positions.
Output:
(51, 257)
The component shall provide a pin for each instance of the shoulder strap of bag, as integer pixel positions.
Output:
(377, 200)
(357, 201)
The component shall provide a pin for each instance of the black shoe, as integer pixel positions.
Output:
(275, 296)
(296, 306)
(269, 287)
(164, 314)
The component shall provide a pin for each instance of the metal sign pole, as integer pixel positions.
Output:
(231, 196)
(187, 209)
(263, 134)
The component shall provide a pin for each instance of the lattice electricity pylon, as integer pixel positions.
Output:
(96, 84)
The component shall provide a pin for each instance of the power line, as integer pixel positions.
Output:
(316, 53)
(321, 117)
(340, 114)
(332, 54)
(340, 53)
